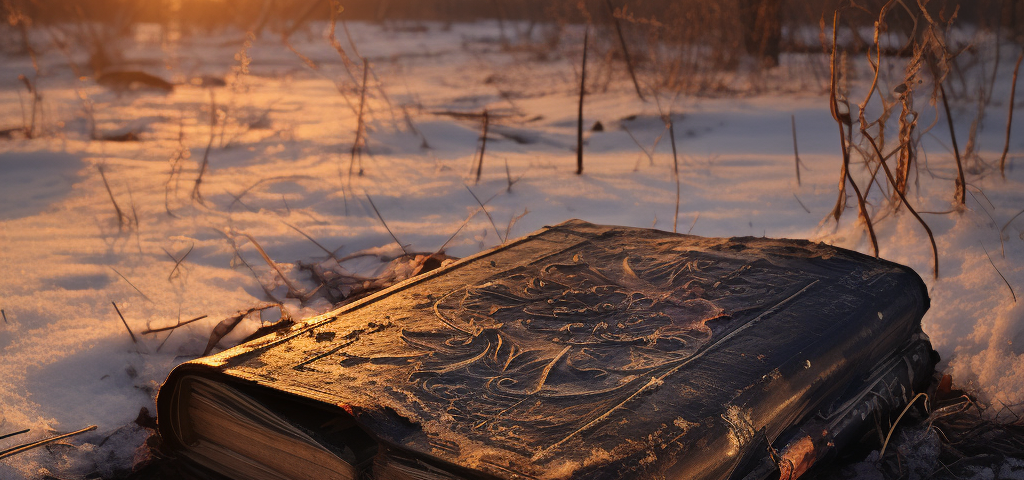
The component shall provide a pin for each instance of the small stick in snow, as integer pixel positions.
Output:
(172, 327)
(508, 176)
(801, 203)
(625, 51)
(694, 223)
(512, 222)
(228, 324)
(29, 446)
(796, 154)
(4, 314)
(121, 217)
(961, 184)
(177, 261)
(675, 167)
(357, 144)
(1009, 117)
(1014, 295)
(9, 435)
(329, 253)
(386, 225)
(495, 227)
(132, 285)
(293, 291)
(583, 92)
(196, 195)
(118, 310)
(483, 147)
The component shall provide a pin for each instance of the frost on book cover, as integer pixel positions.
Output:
(577, 352)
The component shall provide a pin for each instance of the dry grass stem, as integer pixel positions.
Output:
(293, 291)
(482, 207)
(330, 254)
(1009, 116)
(483, 146)
(386, 227)
(675, 168)
(20, 432)
(961, 184)
(228, 324)
(118, 310)
(796, 153)
(196, 194)
(625, 49)
(177, 261)
(172, 327)
(360, 140)
(29, 446)
(122, 218)
(132, 285)
(583, 92)
(1014, 295)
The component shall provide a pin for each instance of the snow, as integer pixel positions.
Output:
(282, 147)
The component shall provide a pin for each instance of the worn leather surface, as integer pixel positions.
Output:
(585, 351)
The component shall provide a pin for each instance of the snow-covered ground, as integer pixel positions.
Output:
(278, 168)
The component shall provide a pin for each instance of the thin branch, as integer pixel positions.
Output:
(29, 446)
(172, 327)
(9, 435)
(625, 50)
(379, 216)
(495, 227)
(177, 261)
(961, 184)
(1014, 295)
(1009, 116)
(583, 92)
(796, 153)
(118, 310)
(675, 168)
(483, 147)
(329, 253)
(131, 284)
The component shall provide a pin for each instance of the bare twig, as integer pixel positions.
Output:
(801, 203)
(845, 119)
(118, 310)
(360, 126)
(495, 227)
(131, 284)
(29, 446)
(196, 195)
(329, 253)
(177, 261)
(172, 327)
(1014, 295)
(228, 324)
(961, 184)
(483, 146)
(508, 177)
(379, 216)
(694, 223)
(796, 153)
(122, 218)
(583, 92)
(2, 312)
(675, 168)
(625, 50)
(293, 291)
(1009, 116)
(512, 222)
(9, 435)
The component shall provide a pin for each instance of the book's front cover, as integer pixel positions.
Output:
(585, 351)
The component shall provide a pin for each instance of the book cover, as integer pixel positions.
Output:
(586, 351)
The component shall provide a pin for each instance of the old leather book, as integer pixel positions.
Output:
(577, 352)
